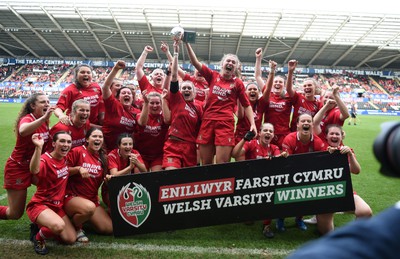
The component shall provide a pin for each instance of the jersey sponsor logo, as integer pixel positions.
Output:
(127, 122)
(200, 92)
(134, 204)
(62, 173)
(278, 106)
(221, 93)
(92, 169)
(152, 130)
(93, 100)
(192, 113)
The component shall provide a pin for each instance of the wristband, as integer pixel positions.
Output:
(249, 136)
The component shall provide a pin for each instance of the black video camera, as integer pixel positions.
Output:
(387, 148)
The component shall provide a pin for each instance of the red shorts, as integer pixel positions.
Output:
(239, 136)
(179, 154)
(34, 209)
(69, 197)
(17, 175)
(218, 133)
(150, 162)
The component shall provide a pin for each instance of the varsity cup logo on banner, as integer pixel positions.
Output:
(134, 204)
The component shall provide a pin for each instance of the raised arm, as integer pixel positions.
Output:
(289, 82)
(192, 56)
(174, 68)
(344, 112)
(64, 119)
(140, 62)
(167, 79)
(34, 165)
(270, 81)
(173, 85)
(257, 69)
(165, 108)
(165, 48)
(144, 115)
(28, 128)
(320, 115)
(106, 90)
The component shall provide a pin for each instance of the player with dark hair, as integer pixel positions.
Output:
(82, 88)
(46, 206)
(334, 111)
(120, 114)
(334, 138)
(82, 202)
(123, 160)
(33, 118)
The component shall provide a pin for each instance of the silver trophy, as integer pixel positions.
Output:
(177, 33)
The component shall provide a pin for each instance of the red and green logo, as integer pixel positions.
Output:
(134, 204)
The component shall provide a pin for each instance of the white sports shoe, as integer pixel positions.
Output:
(81, 237)
(312, 220)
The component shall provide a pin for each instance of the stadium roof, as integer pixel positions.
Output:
(114, 30)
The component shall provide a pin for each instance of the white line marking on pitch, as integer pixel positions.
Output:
(164, 248)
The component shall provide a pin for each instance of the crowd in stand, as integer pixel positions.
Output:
(49, 76)
(172, 120)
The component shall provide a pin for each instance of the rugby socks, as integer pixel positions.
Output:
(3, 212)
(44, 233)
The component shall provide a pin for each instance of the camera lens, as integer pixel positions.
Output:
(387, 148)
